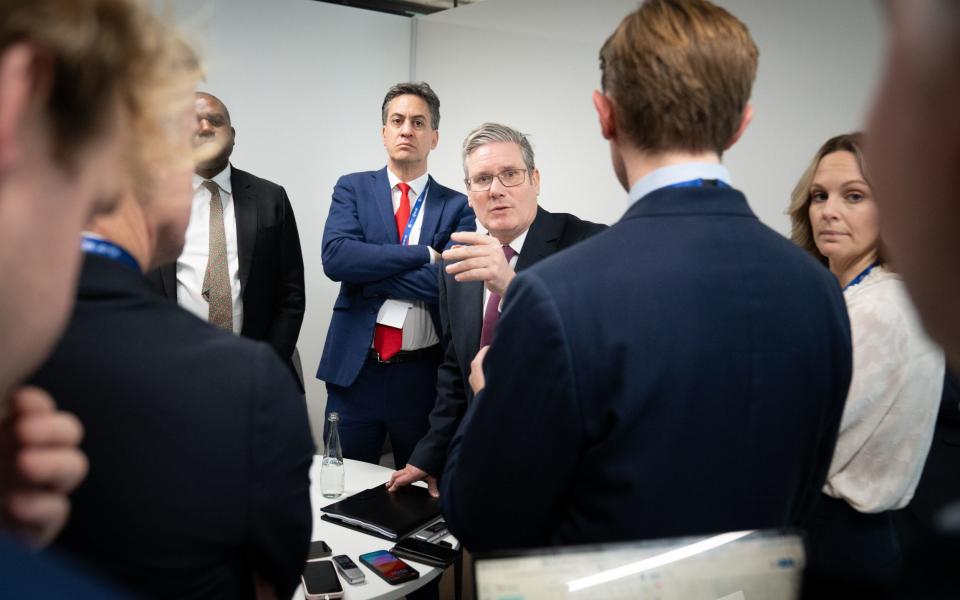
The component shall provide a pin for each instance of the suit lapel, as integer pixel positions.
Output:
(432, 209)
(542, 240)
(168, 279)
(245, 213)
(383, 196)
(467, 297)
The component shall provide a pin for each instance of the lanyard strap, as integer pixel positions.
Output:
(413, 215)
(700, 183)
(107, 249)
(863, 274)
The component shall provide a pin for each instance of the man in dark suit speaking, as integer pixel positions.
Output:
(503, 184)
(683, 372)
(241, 267)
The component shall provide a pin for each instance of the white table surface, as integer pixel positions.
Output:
(359, 476)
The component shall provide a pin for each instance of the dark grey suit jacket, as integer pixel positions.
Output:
(461, 319)
(271, 265)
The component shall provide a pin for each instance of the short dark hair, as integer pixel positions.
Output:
(421, 90)
(679, 73)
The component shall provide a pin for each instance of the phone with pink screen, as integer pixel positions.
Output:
(390, 568)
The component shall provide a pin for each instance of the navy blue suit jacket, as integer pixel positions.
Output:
(361, 250)
(461, 321)
(683, 372)
(199, 446)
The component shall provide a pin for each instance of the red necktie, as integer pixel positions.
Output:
(387, 340)
(492, 314)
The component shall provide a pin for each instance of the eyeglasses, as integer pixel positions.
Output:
(508, 177)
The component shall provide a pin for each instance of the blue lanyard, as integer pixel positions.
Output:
(699, 183)
(91, 245)
(859, 277)
(413, 215)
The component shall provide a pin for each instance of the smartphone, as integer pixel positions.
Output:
(425, 552)
(390, 568)
(433, 532)
(348, 569)
(320, 581)
(318, 549)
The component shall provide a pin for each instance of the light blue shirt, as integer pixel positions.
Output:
(674, 174)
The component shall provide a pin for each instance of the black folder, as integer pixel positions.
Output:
(389, 515)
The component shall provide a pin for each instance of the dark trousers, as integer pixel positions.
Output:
(386, 399)
(850, 552)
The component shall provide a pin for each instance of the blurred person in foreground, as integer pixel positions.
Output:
(891, 408)
(913, 147)
(682, 372)
(198, 438)
(72, 76)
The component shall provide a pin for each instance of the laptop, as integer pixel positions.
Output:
(740, 565)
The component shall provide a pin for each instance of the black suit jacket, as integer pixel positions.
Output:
(461, 319)
(198, 441)
(681, 373)
(271, 265)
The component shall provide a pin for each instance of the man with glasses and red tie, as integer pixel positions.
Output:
(503, 184)
(382, 241)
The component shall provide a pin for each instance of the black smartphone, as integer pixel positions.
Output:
(425, 552)
(432, 532)
(320, 581)
(390, 568)
(318, 549)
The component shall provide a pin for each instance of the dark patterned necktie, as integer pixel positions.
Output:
(492, 313)
(216, 279)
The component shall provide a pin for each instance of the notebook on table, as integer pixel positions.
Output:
(389, 515)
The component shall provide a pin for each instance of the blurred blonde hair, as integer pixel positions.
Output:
(106, 55)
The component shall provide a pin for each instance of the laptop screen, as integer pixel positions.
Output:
(743, 565)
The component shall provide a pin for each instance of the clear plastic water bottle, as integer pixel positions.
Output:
(331, 468)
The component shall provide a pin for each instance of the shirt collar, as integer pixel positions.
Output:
(516, 244)
(673, 174)
(222, 179)
(416, 185)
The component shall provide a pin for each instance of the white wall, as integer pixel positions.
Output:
(533, 64)
(304, 80)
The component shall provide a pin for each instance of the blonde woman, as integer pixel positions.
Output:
(894, 395)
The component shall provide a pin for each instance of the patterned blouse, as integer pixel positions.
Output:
(894, 396)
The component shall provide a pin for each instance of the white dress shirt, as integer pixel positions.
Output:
(192, 264)
(517, 246)
(894, 397)
(412, 315)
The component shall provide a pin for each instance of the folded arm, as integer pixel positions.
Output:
(347, 256)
